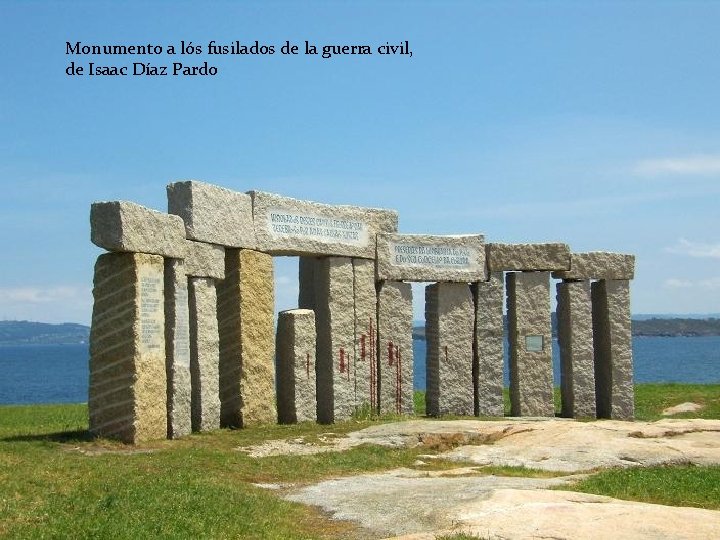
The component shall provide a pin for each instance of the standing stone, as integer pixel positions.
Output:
(365, 306)
(335, 324)
(531, 375)
(177, 349)
(612, 335)
(449, 326)
(488, 359)
(295, 346)
(245, 313)
(204, 354)
(575, 337)
(306, 279)
(127, 395)
(395, 356)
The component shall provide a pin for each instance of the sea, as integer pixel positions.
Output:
(59, 373)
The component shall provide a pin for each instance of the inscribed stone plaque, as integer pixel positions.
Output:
(283, 223)
(152, 318)
(534, 343)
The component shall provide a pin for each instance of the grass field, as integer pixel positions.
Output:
(55, 481)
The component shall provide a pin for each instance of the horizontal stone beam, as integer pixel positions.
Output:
(527, 257)
(599, 265)
(213, 214)
(424, 257)
(205, 260)
(126, 226)
(285, 226)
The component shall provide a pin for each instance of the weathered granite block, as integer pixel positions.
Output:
(531, 375)
(295, 346)
(612, 337)
(204, 354)
(126, 226)
(306, 279)
(285, 226)
(365, 306)
(177, 349)
(127, 395)
(424, 257)
(449, 326)
(575, 337)
(527, 257)
(335, 324)
(599, 265)
(205, 260)
(395, 356)
(213, 214)
(245, 312)
(489, 339)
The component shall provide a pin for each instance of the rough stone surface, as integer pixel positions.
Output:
(335, 324)
(127, 394)
(449, 328)
(424, 257)
(285, 226)
(488, 357)
(177, 349)
(530, 339)
(204, 354)
(599, 265)
(365, 340)
(527, 257)
(245, 312)
(126, 226)
(213, 214)
(612, 336)
(295, 346)
(395, 362)
(575, 337)
(205, 260)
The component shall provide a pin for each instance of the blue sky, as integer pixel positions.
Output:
(596, 124)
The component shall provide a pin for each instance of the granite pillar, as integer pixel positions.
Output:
(295, 346)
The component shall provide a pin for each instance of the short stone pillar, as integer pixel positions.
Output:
(365, 332)
(449, 326)
(295, 346)
(575, 337)
(395, 356)
(612, 336)
(177, 349)
(245, 313)
(127, 395)
(488, 357)
(530, 337)
(335, 324)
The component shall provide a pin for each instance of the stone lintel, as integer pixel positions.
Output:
(527, 257)
(127, 226)
(598, 265)
(286, 226)
(425, 257)
(213, 214)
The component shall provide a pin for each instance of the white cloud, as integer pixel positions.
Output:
(689, 165)
(41, 295)
(59, 303)
(709, 284)
(712, 284)
(675, 283)
(695, 249)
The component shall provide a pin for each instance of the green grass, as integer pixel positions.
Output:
(56, 481)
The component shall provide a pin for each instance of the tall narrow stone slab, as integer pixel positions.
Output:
(126, 226)
(612, 336)
(449, 327)
(177, 349)
(575, 337)
(335, 323)
(306, 282)
(365, 307)
(285, 226)
(204, 354)
(127, 395)
(489, 341)
(527, 257)
(530, 337)
(425, 257)
(213, 214)
(295, 346)
(245, 312)
(395, 352)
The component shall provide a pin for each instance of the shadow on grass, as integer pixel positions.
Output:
(80, 435)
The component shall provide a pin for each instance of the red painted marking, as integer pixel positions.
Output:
(307, 364)
(390, 353)
(342, 360)
(399, 380)
(373, 368)
(362, 347)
